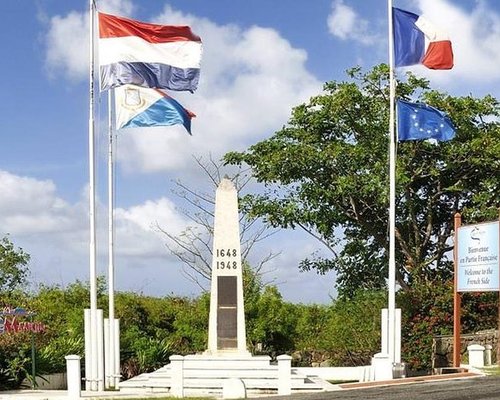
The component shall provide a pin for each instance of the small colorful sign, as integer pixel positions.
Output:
(10, 321)
(478, 257)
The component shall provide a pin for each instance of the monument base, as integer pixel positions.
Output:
(227, 353)
(204, 374)
(226, 360)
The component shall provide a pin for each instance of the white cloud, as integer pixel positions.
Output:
(250, 80)
(56, 234)
(475, 35)
(67, 44)
(29, 206)
(136, 232)
(344, 23)
(293, 283)
(117, 7)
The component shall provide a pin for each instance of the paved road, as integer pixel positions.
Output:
(480, 388)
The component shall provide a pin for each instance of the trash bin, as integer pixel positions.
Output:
(398, 370)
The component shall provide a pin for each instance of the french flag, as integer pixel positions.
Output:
(139, 107)
(418, 41)
(148, 55)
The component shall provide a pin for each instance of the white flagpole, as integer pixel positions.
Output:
(92, 374)
(392, 342)
(111, 255)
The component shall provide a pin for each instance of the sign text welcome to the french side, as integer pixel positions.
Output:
(478, 257)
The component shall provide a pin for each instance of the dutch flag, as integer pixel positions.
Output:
(148, 55)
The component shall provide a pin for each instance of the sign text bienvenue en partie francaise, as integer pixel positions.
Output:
(478, 257)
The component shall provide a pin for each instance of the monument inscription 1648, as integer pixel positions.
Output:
(226, 332)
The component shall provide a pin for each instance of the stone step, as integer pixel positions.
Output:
(228, 362)
(268, 372)
(204, 374)
(250, 383)
(154, 380)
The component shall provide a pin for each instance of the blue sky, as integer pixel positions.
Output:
(260, 59)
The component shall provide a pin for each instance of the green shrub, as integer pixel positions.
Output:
(428, 312)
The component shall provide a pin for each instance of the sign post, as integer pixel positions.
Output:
(9, 323)
(477, 268)
(456, 298)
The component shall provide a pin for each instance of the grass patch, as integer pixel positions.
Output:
(492, 370)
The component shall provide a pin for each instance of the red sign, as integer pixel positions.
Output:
(9, 321)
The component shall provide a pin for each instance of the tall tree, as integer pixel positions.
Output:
(327, 173)
(13, 266)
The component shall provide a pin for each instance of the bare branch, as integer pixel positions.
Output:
(193, 246)
(320, 238)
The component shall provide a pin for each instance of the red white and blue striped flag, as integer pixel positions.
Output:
(148, 55)
(418, 41)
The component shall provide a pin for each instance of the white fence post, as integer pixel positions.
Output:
(382, 367)
(74, 376)
(284, 374)
(397, 344)
(384, 331)
(476, 355)
(177, 378)
(107, 351)
(88, 352)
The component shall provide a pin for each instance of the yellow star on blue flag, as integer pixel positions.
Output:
(418, 121)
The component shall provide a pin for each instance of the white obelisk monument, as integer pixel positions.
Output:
(226, 327)
(226, 365)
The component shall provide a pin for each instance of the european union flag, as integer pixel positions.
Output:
(418, 121)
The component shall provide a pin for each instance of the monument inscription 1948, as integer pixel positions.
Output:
(226, 332)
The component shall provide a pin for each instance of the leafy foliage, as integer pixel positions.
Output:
(14, 368)
(274, 322)
(347, 331)
(327, 173)
(355, 327)
(51, 357)
(13, 266)
(428, 311)
(152, 329)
